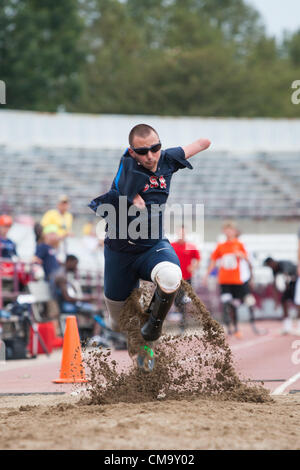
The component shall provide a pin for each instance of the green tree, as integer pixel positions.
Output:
(292, 47)
(40, 55)
(167, 57)
(117, 59)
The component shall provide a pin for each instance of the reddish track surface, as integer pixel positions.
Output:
(267, 357)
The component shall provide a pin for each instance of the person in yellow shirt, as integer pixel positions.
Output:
(61, 217)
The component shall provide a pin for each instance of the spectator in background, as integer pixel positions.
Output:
(67, 291)
(38, 232)
(189, 258)
(229, 255)
(11, 265)
(62, 218)
(286, 271)
(297, 288)
(46, 250)
(7, 246)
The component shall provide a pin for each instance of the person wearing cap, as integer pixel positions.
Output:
(61, 217)
(7, 247)
(46, 250)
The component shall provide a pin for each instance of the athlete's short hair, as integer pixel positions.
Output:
(141, 130)
(71, 258)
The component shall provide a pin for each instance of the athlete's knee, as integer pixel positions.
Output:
(114, 308)
(167, 275)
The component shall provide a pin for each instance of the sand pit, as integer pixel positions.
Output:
(194, 399)
(46, 422)
(186, 366)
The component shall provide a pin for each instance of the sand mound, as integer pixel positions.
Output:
(186, 366)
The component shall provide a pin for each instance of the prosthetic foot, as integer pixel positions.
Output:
(145, 359)
(158, 309)
(226, 317)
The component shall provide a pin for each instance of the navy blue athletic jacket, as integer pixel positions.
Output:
(132, 179)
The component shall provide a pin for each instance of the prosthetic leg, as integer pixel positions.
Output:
(230, 306)
(227, 317)
(249, 300)
(167, 277)
(158, 309)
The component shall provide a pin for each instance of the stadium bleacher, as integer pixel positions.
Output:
(257, 185)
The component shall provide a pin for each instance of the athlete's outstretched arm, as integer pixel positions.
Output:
(196, 147)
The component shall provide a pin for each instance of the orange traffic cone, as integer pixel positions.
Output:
(72, 370)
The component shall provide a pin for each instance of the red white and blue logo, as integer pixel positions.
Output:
(155, 182)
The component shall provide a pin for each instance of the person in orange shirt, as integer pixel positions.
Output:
(228, 255)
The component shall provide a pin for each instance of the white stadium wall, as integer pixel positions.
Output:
(26, 129)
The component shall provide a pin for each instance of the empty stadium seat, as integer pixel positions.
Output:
(229, 185)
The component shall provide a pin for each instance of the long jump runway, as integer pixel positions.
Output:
(270, 358)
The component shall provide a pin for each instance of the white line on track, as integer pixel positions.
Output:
(281, 389)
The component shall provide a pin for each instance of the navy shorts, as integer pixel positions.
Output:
(238, 291)
(123, 271)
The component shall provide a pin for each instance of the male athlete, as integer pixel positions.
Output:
(144, 177)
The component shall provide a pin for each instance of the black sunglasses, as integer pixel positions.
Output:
(144, 150)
